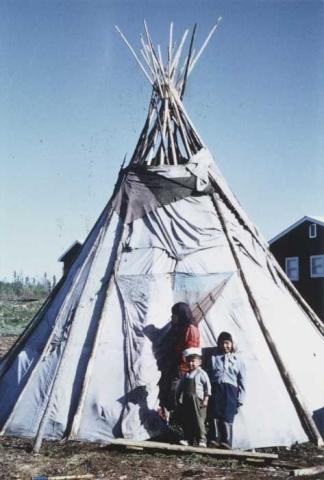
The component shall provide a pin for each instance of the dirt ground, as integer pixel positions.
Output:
(5, 343)
(17, 461)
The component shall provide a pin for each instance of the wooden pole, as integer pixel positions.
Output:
(195, 142)
(204, 44)
(50, 395)
(318, 324)
(200, 309)
(7, 360)
(93, 252)
(86, 476)
(160, 60)
(178, 53)
(63, 311)
(153, 62)
(302, 411)
(182, 131)
(188, 62)
(181, 127)
(179, 79)
(181, 107)
(201, 450)
(174, 155)
(308, 472)
(153, 58)
(144, 55)
(148, 140)
(162, 133)
(134, 55)
(147, 153)
(87, 376)
(143, 136)
(170, 50)
(157, 62)
(62, 361)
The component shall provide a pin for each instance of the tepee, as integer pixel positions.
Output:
(88, 365)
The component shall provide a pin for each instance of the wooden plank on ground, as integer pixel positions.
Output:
(169, 447)
(87, 476)
(308, 472)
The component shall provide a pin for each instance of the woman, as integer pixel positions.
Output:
(185, 334)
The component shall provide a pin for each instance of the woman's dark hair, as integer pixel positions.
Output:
(184, 313)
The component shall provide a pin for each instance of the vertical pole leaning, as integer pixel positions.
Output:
(185, 76)
(80, 406)
(62, 311)
(302, 411)
(88, 371)
(57, 375)
(44, 416)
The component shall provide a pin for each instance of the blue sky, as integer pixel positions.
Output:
(73, 103)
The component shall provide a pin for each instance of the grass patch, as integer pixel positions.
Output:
(15, 315)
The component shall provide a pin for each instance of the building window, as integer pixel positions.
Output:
(292, 268)
(317, 266)
(312, 230)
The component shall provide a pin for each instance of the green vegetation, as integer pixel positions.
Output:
(14, 316)
(20, 300)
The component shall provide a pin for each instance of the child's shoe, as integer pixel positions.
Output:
(202, 443)
(226, 446)
(184, 443)
(214, 444)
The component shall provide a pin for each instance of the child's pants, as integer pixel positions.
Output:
(193, 415)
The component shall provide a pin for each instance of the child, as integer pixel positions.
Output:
(227, 375)
(192, 393)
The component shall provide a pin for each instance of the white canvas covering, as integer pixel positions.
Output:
(88, 366)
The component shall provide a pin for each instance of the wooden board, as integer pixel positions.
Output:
(306, 472)
(169, 447)
(87, 476)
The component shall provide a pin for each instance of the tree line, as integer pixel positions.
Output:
(26, 287)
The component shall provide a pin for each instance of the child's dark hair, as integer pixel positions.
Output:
(223, 337)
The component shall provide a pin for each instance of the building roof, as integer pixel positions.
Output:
(306, 218)
(75, 246)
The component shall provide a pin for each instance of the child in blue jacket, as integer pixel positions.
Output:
(227, 376)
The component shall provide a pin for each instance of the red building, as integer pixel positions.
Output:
(300, 252)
